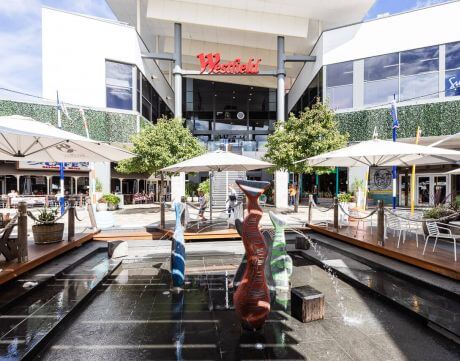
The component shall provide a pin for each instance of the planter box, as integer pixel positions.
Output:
(112, 207)
(48, 233)
(102, 207)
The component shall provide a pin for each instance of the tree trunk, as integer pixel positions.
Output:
(297, 195)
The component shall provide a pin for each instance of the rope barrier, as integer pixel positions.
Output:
(325, 210)
(76, 215)
(354, 217)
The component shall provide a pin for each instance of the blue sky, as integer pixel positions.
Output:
(20, 34)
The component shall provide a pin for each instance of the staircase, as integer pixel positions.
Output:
(220, 190)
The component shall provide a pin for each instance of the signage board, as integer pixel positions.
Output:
(68, 166)
(380, 179)
(211, 64)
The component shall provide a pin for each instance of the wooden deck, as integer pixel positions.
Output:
(440, 261)
(39, 254)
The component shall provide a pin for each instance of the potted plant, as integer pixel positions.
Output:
(46, 230)
(101, 204)
(112, 201)
(440, 213)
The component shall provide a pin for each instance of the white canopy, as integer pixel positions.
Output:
(218, 161)
(384, 153)
(453, 171)
(23, 138)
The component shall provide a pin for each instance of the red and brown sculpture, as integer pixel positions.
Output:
(252, 298)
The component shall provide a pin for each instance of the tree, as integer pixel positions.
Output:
(166, 143)
(313, 132)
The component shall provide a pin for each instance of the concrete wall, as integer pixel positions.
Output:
(74, 50)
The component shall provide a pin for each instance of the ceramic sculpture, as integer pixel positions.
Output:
(252, 298)
(280, 261)
(178, 252)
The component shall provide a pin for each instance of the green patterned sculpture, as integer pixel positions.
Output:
(280, 262)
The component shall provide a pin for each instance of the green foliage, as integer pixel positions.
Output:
(110, 198)
(440, 118)
(47, 215)
(98, 185)
(191, 189)
(166, 143)
(358, 184)
(313, 132)
(344, 197)
(438, 212)
(204, 187)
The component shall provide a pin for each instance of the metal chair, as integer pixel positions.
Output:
(394, 223)
(434, 231)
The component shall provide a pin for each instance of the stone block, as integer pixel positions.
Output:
(307, 304)
(117, 249)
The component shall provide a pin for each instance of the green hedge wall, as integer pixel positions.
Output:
(105, 126)
(441, 118)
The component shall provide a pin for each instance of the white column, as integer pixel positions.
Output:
(178, 186)
(17, 183)
(48, 180)
(281, 189)
(102, 170)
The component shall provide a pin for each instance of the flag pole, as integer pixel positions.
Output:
(92, 175)
(61, 164)
(394, 115)
(412, 179)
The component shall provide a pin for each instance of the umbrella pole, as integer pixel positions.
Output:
(210, 195)
(162, 202)
(61, 165)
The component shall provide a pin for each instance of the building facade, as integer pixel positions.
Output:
(159, 58)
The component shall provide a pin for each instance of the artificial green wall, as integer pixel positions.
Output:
(441, 118)
(104, 126)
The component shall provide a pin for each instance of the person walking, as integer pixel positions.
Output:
(203, 205)
(292, 194)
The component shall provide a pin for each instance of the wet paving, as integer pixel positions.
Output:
(30, 318)
(135, 316)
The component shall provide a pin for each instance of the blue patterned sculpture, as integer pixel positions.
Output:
(178, 252)
(280, 262)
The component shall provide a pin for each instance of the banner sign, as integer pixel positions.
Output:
(380, 179)
(74, 166)
(210, 64)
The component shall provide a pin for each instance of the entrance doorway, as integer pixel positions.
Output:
(430, 189)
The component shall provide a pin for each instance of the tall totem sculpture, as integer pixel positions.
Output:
(252, 298)
(280, 262)
(178, 252)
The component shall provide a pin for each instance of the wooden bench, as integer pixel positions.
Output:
(307, 304)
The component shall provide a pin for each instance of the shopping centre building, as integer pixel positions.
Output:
(231, 70)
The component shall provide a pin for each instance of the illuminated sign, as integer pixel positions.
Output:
(210, 64)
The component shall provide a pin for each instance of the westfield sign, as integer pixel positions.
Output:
(210, 64)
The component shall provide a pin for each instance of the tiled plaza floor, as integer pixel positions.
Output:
(134, 316)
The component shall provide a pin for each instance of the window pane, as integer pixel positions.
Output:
(381, 67)
(146, 109)
(119, 98)
(379, 92)
(419, 86)
(453, 55)
(118, 74)
(340, 74)
(340, 97)
(420, 60)
(452, 83)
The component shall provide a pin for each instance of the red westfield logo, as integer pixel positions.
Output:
(211, 63)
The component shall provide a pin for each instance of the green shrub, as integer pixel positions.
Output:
(110, 198)
(191, 189)
(204, 187)
(438, 212)
(344, 197)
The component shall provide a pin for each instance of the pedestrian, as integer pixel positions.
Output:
(292, 194)
(203, 205)
(231, 202)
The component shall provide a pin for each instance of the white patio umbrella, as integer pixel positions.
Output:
(25, 139)
(380, 153)
(218, 161)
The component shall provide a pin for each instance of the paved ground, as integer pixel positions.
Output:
(135, 316)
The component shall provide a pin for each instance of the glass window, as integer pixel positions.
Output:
(380, 91)
(420, 60)
(340, 97)
(381, 67)
(453, 56)
(452, 83)
(119, 85)
(339, 74)
(119, 98)
(119, 74)
(419, 86)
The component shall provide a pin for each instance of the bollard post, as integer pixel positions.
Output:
(162, 202)
(71, 220)
(23, 252)
(336, 214)
(310, 207)
(381, 224)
